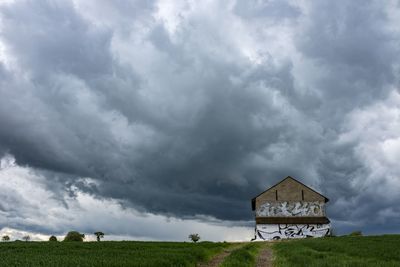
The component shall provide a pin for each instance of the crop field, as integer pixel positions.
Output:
(124, 253)
(339, 251)
(333, 251)
(242, 257)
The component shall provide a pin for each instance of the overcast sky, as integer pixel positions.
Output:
(154, 119)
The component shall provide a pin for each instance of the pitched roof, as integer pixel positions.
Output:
(253, 201)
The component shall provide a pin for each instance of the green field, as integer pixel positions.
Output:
(334, 251)
(125, 253)
(242, 257)
(339, 251)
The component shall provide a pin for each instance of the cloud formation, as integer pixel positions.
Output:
(189, 110)
(30, 206)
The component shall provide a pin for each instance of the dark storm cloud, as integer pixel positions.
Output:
(196, 112)
(353, 43)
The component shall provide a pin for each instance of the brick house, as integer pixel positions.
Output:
(290, 209)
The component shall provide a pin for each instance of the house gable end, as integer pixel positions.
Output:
(289, 189)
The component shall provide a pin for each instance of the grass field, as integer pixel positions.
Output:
(335, 251)
(57, 254)
(242, 257)
(339, 251)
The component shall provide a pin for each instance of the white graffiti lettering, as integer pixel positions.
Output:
(287, 209)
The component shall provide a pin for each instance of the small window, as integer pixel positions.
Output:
(276, 194)
(302, 195)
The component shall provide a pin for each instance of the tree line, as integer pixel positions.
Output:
(76, 236)
(71, 236)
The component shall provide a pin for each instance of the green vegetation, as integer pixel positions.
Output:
(107, 253)
(53, 238)
(356, 233)
(358, 251)
(242, 257)
(339, 251)
(194, 237)
(99, 235)
(74, 236)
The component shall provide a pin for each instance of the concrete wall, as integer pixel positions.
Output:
(283, 231)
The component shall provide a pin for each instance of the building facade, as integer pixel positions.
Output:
(290, 209)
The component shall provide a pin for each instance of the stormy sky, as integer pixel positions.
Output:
(154, 119)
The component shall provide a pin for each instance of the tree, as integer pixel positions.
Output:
(26, 238)
(5, 238)
(53, 238)
(194, 237)
(74, 236)
(99, 235)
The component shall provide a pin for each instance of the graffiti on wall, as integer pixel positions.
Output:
(286, 209)
(281, 231)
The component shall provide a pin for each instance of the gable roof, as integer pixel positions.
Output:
(253, 201)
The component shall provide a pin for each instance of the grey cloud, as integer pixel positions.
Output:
(184, 123)
(277, 10)
(58, 39)
(33, 208)
(353, 45)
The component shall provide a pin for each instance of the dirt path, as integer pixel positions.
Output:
(264, 258)
(219, 258)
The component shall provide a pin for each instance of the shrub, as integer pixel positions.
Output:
(356, 233)
(194, 237)
(74, 236)
(53, 238)
(5, 238)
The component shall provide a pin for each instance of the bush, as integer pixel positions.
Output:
(53, 238)
(74, 236)
(356, 233)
